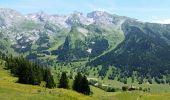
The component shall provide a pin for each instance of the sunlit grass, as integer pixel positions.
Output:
(10, 90)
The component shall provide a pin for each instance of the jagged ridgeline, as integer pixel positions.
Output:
(98, 37)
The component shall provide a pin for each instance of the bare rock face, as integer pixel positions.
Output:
(106, 19)
(10, 17)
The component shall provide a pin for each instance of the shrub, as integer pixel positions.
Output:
(111, 89)
(140, 88)
(124, 88)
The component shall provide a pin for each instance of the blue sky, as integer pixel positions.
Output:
(144, 10)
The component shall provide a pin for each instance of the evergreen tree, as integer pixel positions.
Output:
(133, 78)
(49, 79)
(63, 81)
(28, 72)
(81, 84)
(85, 89)
(77, 82)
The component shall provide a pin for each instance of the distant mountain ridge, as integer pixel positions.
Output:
(25, 31)
(99, 37)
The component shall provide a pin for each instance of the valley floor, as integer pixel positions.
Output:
(9, 90)
(129, 95)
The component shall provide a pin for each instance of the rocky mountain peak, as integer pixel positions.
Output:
(78, 18)
(97, 14)
(5, 12)
(9, 17)
(39, 16)
(77, 13)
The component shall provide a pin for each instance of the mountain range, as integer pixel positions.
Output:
(100, 38)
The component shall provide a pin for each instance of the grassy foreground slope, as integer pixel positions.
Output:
(9, 90)
(134, 95)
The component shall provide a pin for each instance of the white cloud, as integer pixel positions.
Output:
(156, 19)
(164, 21)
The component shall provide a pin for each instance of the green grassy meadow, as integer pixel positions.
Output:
(10, 90)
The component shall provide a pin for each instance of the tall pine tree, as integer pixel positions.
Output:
(85, 89)
(77, 82)
(63, 81)
(49, 78)
(81, 84)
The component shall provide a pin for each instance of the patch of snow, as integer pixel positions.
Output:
(27, 40)
(92, 42)
(89, 50)
(19, 37)
(33, 17)
(23, 47)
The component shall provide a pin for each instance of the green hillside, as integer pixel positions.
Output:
(10, 90)
(144, 50)
(114, 51)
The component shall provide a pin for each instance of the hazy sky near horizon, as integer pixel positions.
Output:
(143, 10)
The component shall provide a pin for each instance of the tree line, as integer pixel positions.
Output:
(28, 72)
(34, 74)
(80, 83)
